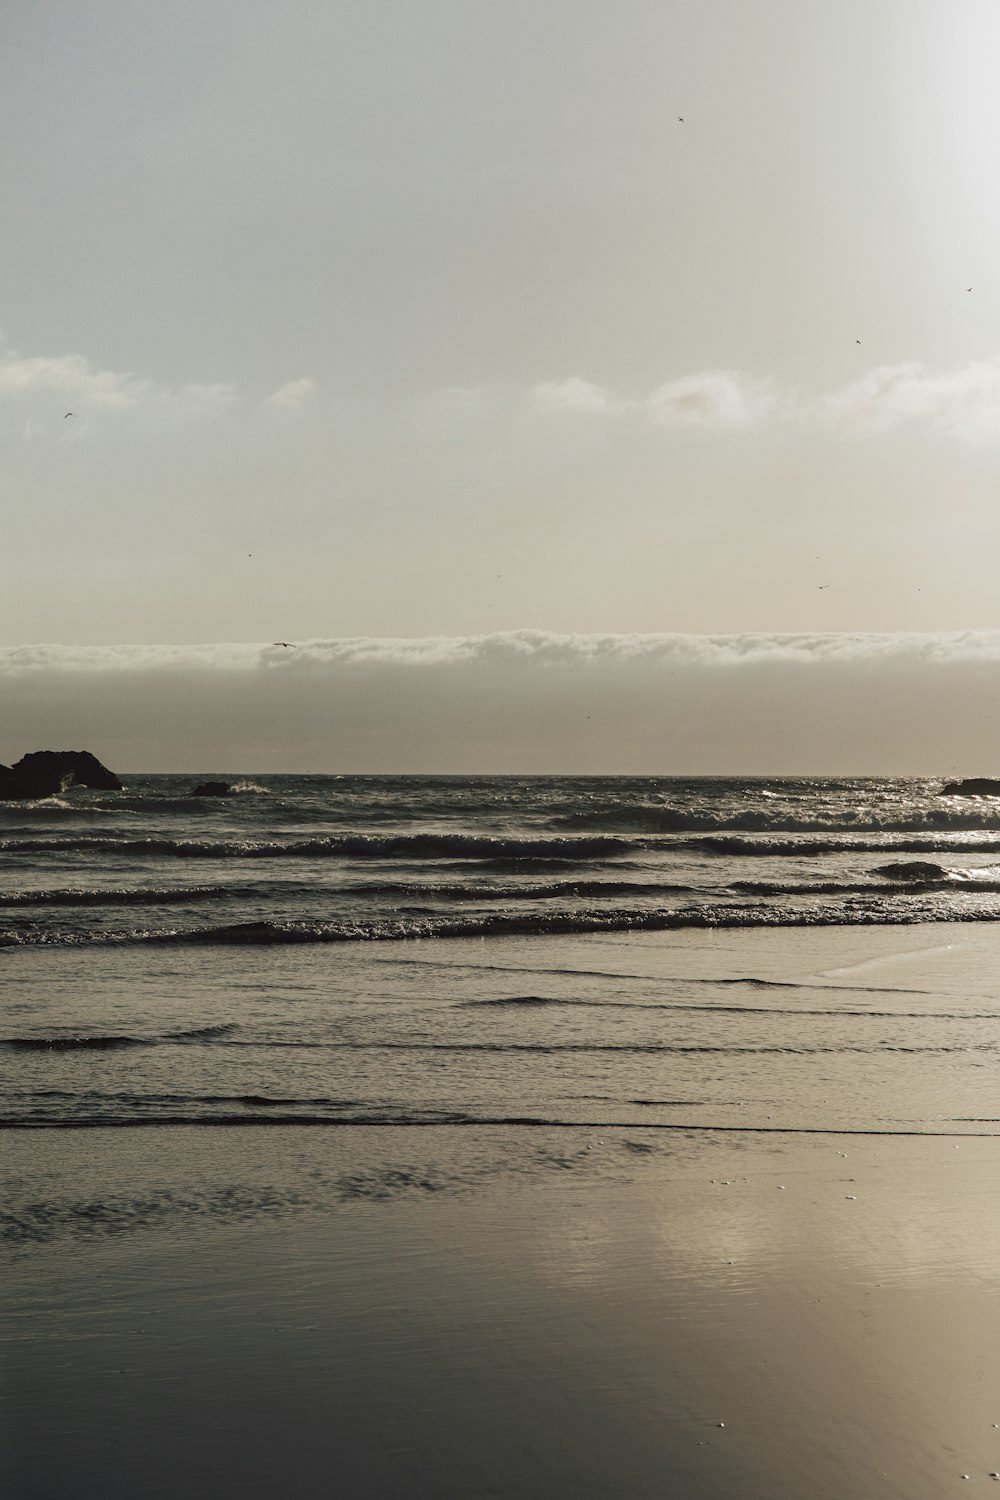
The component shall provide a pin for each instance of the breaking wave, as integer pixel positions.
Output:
(887, 912)
(889, 842)
(657, 819)
(115, 897)
(498, 849)
(335, 846)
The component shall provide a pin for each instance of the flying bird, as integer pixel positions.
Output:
(289, 644)
(69, 414)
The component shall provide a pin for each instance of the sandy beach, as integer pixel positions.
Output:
(614, 1214)
(500, 757)
(403, 1313)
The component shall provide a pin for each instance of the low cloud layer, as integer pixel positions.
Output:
(520, 701)
(538, 650)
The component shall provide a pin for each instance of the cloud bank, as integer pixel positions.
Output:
(538, 650)
(520, 701)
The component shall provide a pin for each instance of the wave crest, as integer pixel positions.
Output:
(407, 846)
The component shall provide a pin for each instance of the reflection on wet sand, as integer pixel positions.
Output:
(631, 1314)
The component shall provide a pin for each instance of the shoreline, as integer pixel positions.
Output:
(801, 1302)
(680, 1127)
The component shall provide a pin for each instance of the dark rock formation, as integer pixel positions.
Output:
(972, 786)
(211, 789)
(46, 772)
(913, 869)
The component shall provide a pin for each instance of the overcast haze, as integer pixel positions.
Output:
(414, 318)
(520, 702)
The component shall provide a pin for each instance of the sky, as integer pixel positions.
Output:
(412, 320)
(521, 702)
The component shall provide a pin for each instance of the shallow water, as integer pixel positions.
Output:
(793, 1029)
(635, 1108)
(553, 950)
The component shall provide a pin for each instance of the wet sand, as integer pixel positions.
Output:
(449, 1313)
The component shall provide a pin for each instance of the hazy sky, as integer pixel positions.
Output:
(521, 701)
(407, 318)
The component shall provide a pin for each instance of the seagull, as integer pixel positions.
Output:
(857, 341)
(680, 119)
(69, 414)
(289, 644)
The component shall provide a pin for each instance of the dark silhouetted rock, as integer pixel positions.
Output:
(211, 789)
(43, 773)
(913, 869)
(972, 786)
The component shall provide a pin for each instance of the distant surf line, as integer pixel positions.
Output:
(526, 1122)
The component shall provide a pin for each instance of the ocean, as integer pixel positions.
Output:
(557, 951)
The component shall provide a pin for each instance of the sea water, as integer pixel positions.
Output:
(547, 951)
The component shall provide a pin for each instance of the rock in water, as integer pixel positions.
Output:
(913, 869)
(211, 789)
(43, 773)
(972, 786)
